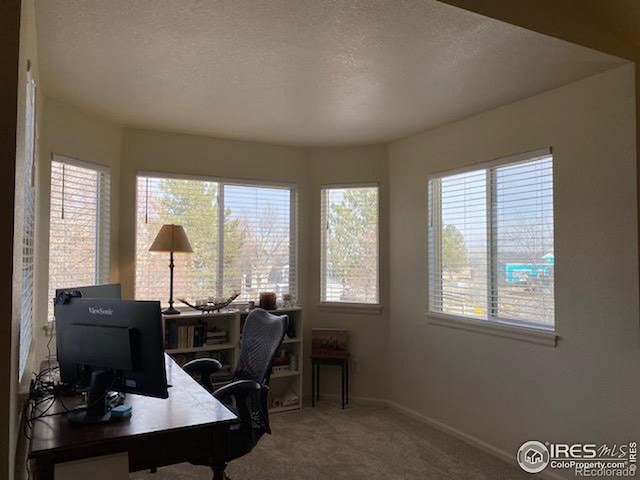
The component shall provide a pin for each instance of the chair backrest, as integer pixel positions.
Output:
(262, 335)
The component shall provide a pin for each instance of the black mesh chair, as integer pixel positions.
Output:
(247, 394)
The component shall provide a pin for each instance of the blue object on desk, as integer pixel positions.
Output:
(121, 411)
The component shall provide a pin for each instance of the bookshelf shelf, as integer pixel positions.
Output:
(285, 374)
(207, 348)
(288, 383)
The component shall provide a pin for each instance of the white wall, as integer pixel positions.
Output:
(368, 330)
(69, 131)
(505, 391)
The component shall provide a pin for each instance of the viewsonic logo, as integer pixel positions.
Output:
(100, 311)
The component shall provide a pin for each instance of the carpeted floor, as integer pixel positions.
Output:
(361, 442)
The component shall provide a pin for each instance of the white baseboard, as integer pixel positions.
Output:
(334, 397)
(508, 457)
(503, 455)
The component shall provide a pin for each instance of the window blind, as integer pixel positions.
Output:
(243, 238)
(79, 225)
(259, 241)
(28, 227)
(194, 205)
(491, 242)
(349, 244)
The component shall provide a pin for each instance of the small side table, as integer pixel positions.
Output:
(343, 363)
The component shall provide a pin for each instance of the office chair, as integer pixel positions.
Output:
(262, 335)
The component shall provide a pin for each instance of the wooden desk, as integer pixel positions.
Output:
(189, 425)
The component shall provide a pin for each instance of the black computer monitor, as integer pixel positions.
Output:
(107, 290)
(113, 345)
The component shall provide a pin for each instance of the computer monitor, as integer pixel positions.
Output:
(110, 345)
(107, 290)
(80, 376)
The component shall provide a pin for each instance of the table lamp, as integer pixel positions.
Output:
(171, 238)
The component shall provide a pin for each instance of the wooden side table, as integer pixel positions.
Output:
(343, 363)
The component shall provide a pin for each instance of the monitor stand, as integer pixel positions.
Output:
(97, 410)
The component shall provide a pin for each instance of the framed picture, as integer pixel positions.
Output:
(329, 342)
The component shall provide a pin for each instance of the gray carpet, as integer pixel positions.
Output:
(361, 442)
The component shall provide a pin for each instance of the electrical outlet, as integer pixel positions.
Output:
(355, 365)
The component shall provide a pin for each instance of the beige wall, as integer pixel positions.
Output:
(505, 391)
(77, 134)
(368, 329)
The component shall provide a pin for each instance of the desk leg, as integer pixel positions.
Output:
(342, 384)
(313, 384)
(347, 380)
(318, 382)
(220, 452)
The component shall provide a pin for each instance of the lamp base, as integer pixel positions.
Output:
(171, 311)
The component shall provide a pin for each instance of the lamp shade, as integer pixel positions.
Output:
(171, 238)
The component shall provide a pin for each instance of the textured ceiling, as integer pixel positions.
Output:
(294, 72)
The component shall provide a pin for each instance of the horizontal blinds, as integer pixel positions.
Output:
(242, 238)
(259, 241)
(194, 205)
(79, 225)
(350, 245)
(491, 243)
(459, 244)
(523, 242)
(28, 229)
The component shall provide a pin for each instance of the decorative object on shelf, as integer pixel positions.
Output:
(172, 239)
(288, 399)
(329, 342)
(293, 362)
(288, 300)
(268, 300)
(212, 305)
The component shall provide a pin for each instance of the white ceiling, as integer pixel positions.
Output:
(306, 72)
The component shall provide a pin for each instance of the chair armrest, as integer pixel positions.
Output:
(238, 388)
(205, 366)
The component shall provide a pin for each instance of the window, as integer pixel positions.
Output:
(491, 242)
(243, 238)
(350, 245)
(28, 226)
(79, 225)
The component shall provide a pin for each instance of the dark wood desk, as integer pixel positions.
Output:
(189, 425)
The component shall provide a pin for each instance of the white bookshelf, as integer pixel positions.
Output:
(283, 384)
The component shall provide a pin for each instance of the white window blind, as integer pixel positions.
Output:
(28, 228)
(243, 238)
(349, 244)
(491, 251)
(79, 225)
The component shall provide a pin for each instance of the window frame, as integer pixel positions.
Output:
(534, 332)
(102, 254)
(222, 181)
(355, 307)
